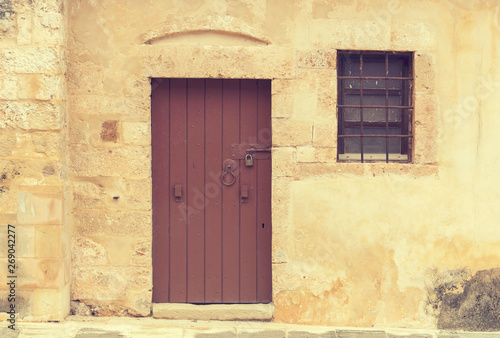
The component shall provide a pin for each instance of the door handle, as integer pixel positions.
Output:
(244, 193)
(228, 177)
(178, 193)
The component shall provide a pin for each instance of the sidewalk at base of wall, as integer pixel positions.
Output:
(87, 327)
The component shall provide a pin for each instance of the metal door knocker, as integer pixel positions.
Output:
(228, 177)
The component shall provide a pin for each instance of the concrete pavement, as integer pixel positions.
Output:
(90, 327)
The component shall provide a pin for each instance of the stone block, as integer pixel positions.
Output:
(49, 304)
(305, 106)
(289, 132)
(100, 105)
(88, 161)
(213, 311)
(312, 334)
(261, 333)
(114, 193)
(78, 132)
(7, 143)
(39, 208)
(88, 195)
(425, 73)
(360, 334)
(408, 335)
(29, 60)
(36, 273)
(308, 170)
(87, 251)
(283, 87)
(24, 302)
(37, 144)
(139, 87)
(116, 223)
(283, 163)
(48, 29)
(139, 303)
(47, 143)
(41, 87)
(320, 58)
(25, 241)
(141, 252)
(8, 87)
(210, 333)
(119, 249)
(84, 78)
(96, 333)
(426, 129)
(325, 134)
(48, 241)
(309, 154)
(281, 217)
(322, 83)
(24, 27)
(108, 283)
(109, 131)
(8, 200)
(136, 133)
(252, 62)
(28, 171)
(25, 115)
(282, 106)
(8, 24)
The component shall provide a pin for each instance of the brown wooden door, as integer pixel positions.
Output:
(211, 244)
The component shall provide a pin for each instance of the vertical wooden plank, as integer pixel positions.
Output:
(230, 195)
(195, 192)
(264, 228)
(248, 209)
(213, 191)
(160, 111)
(178, 209)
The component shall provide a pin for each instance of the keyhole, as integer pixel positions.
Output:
(262, 225)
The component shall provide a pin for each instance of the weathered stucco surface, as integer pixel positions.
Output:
(369, 244)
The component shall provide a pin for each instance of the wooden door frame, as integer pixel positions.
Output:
(244, 271)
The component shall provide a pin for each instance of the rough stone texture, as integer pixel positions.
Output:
(213, 311)
(109, 131)
(32, 129)
(475, 306)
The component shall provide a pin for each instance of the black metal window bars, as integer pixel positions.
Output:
(375, 106)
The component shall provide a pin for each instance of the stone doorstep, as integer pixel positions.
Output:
(213, 311)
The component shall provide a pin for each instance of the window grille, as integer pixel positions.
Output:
(375, 106)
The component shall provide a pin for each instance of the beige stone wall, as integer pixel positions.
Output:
(353, 244)
(33, 178)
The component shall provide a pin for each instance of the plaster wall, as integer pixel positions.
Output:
(369, 244)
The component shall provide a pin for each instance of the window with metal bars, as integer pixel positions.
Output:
(375, 106)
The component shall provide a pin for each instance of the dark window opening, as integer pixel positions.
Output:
(375, 106)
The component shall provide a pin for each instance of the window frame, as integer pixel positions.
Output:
(406, 106)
